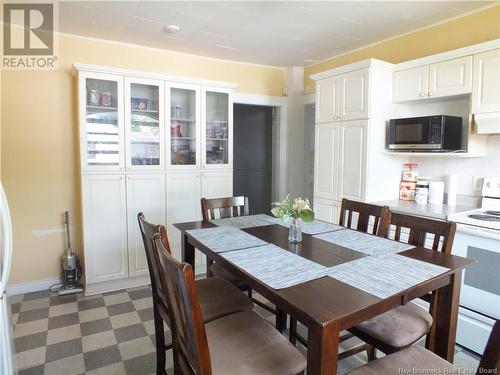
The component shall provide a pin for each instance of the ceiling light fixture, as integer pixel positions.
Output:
(172, 29)
(310, 60)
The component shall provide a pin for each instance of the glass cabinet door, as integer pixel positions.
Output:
(183, 126)
(217, 128)
(144, 110)
(103, 123)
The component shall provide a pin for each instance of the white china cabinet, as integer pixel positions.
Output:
(144, 114)
(101, 104)
(149, 143)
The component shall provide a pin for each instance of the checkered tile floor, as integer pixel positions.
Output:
(111, 334)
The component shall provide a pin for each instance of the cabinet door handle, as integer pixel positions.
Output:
(430, 93)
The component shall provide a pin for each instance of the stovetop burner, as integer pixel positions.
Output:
(484, 217)
(490, 212)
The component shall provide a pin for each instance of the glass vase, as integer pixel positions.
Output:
(295, 233)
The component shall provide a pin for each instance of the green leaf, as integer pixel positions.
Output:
(307, 216)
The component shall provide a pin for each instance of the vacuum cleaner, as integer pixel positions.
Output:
(72, 272)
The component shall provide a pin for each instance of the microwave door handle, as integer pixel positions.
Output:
(6, 244)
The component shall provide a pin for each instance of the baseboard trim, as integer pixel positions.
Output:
(31, 286)
(112, 285)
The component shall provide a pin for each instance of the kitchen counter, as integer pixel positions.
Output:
(434, 211)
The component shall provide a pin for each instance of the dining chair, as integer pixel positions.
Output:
(403, 326)
(372, 219)
(241, 343)
(365, 212)
(217, 296)
(221, 208)
(416, 357)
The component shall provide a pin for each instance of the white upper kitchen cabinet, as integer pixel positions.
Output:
(450, 77)
(146, 194)
(144, 124)
(352, 161)
(443, 78)
(105, 227)
(184, 130)
(486, 82)
(217, 128)
(354, 95)
(328, 99)
(326, 161)
(411, 84)
(100, 102)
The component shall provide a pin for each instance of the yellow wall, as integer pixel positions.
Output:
(472, 29)
(39, 149)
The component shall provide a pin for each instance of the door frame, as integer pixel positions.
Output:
(279, 137)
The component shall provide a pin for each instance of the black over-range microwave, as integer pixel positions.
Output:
(428, 133)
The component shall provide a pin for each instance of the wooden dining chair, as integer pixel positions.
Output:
(371, 218)
(218, 297)
(420, 358)
(405, 325)
(222, 208)
(241, 343)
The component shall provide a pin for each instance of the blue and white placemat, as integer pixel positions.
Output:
(364, 243)
(276, 267)
(243, 222)
(385, 276)
(220, 239)
(315, 227)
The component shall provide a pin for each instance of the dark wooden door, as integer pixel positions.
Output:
(253, 155)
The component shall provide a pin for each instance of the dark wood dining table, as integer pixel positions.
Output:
(327, 306)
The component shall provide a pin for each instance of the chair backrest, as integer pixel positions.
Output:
(490, 361)
(365, 211)
(148, 232)
(185, 312)
(419, 227)
(226, 207)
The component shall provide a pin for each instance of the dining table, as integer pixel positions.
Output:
(326, 305)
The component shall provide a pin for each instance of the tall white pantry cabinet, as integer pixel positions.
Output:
(352, 103)
(150, 143)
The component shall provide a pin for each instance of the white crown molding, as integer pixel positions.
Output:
(143, 74)
(126, 44)
(354, 66)
(403, 34)
(460, 52)
(31, 286)
(273, 101)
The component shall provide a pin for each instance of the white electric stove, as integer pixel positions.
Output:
(478, 237)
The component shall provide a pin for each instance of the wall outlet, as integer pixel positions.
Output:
(477, 183)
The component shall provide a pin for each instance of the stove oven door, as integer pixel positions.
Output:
(480, 292)
(481, 281)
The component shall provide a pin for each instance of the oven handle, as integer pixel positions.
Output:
(478, 231)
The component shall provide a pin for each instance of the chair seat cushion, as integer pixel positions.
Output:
(414, 357)
(398, 327)
(246, 344)
(223, 273)
(219, 297)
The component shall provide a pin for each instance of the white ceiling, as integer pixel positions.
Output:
(279, 33)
